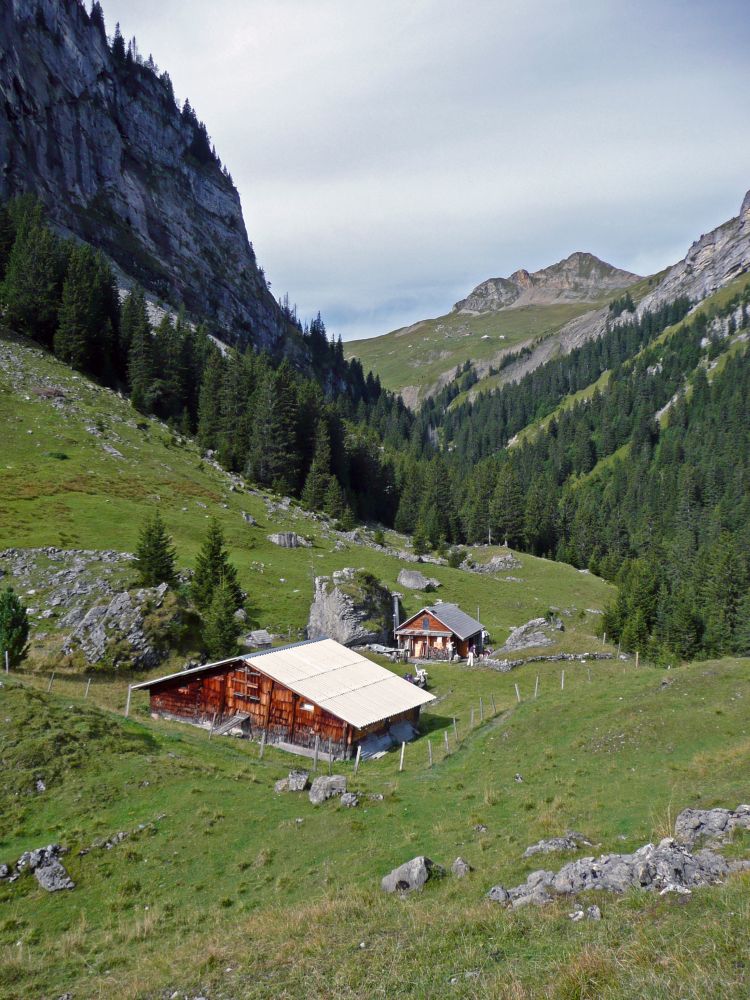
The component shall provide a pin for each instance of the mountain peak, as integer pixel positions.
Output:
(580, 277)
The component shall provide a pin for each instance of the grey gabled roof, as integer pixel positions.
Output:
(461, 624)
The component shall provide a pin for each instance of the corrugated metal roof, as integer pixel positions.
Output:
(341, 681)
(453, 617)
(323, 671)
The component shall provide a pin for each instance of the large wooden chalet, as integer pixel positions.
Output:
(292, 694)
(439, 630)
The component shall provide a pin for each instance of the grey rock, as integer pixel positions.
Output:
(526, 636)
(497, 564)
(351, 607)
(498, 894)
(593, 913)
(298, 780)
(248, 518)
(412, 875)
(460, 868)
(350, 800)
(289, 540)
(282, 785)
(414, 580)
(45, 863)
(716, 825)
(4, 872)
(40, 785)
(570, 842)
(326, 786)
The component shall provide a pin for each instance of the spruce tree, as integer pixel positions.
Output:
(14, 627)
(136, 333)
(221, 629)
(155, 554)
(213, 569)
(507, 508)
(32, 284)
(316, 484)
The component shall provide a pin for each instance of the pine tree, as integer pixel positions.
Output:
(79, 319)
(213, 569)
(14, 627)
(155, 554)
(136, 333)
(316, 484)
(32, 284)
(507, 508)
(118, 45)
(221, 629)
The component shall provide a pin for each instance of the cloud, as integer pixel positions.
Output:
(390, 156)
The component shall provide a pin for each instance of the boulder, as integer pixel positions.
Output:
(48, 870)
(414, 580)
(352, 607)
(460, 868)
(497, 564)
(412, 875)
(298, 780)
(289, 540)
(526, 636)
(326, 786)
(248, 518)
(350, 800)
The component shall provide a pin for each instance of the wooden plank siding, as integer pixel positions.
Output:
(424, 635)
(236, 688)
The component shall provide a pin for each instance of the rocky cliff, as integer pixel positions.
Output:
(101, 141)
(581, 277)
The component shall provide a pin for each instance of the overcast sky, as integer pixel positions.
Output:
(391, 155)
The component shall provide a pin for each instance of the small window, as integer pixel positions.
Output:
(425, 624)
(307, 707)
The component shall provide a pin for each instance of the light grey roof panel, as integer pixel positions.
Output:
(457, 620)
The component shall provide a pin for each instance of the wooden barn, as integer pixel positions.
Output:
(293, 694)
(434, 633)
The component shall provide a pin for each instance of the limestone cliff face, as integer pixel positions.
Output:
(581, 277)
(105, 148)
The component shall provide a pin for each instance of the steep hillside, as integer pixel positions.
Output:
(82, 470)
(96, 134)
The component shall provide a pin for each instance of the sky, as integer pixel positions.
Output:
(392, 155)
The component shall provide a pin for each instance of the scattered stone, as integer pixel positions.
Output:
(593, 913)
(480, 828)
(497, 564)
(570, 842)
(412, 875)
(414, 580)
(282, 785)
(327, 786)
(715, 825)
(376, 796)
(40, 785)
(349, 800)
(248, 518)
(289, 540)
(298, 780)
(518, 778)
(460, 868)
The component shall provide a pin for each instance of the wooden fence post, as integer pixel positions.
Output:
(51, 678)
(127, 703)
(637, 657)
(494, 707)
(315, 755)
(481, 710)
(262, 745)
(7, 662)
(88, 685)
(213, 723)
(429, 751)
(536, 686)
(447, 744)
(401, 762)
(562, 681)
(358, 758)
(330, 756)
(518, 693)
(455, 729)
(471, 723)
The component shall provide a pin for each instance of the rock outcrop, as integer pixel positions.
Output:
(581, 277)
(570, 842)
(664, 867)
(527, 636)
(715, 825)
(289, 540)
(412, 875)
(326, 786)
(45, 863)
(352, 607)
(102, 143)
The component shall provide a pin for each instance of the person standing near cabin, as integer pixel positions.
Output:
(470, 659)
(450, 650)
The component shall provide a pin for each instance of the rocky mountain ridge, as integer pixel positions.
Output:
(581, 277)
(102, 143)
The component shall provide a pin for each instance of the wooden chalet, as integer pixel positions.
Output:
(439, 630)
(293, 694)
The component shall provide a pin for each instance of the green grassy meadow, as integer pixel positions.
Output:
(234, 891)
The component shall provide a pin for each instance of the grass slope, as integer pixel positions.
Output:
(234, 891)
(417, 356)
(93, 498)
